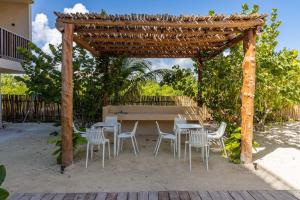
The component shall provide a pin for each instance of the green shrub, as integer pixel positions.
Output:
(3, 193)
(77, 141)
(233, 145)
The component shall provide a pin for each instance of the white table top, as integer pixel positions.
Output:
(104, 124)
(188, 126)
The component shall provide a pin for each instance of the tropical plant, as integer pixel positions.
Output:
(277, 82)
(78, 140)
(10, 85)
(181, 79)
(3, 193)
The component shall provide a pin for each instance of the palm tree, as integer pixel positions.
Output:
(126, 75)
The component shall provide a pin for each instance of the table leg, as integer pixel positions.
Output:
(115, 141)
(179, 143)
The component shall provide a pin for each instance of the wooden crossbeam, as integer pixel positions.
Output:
(229, 44)
(201, 24)
(83, 44)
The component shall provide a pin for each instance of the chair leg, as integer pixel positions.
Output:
(108, 144)
(174, 148)
(223, 146)
(158, 146)
(92, 151)
(103, 155)
(133, 145)
(118, 146)
(190, 155)
(122, 145)
(87, 155)
(185, 151)
(136, 144)
(206, 157)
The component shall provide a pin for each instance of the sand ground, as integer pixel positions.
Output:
(25, 152)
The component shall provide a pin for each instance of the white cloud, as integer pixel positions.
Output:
(43, 34)
(159, 63)
(78, 7)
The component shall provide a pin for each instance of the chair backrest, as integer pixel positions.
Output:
(221, 129)
(134, 128)
(157, 127)
(75, 128)
(178, 120)
(198, 137)
(111, 119)
(95, 136)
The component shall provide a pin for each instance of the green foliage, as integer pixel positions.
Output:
(78, 140)
(10, 85)
(152, 88)
(233, 146)
(3, 193)
(181, 79)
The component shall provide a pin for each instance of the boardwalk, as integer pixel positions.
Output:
(165, 195)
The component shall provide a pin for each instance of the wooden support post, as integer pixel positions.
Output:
(199, 85)
(67, 95)
(248, 89)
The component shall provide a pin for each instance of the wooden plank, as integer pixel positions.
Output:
(246, 195)
(256, 195)
(248, 90)
(294, 193)
(163, 195)
(67, 96)
(90, 196)
(220, 195)
(25, 196)
(266, 195)
(101, 196)
(80, 196)
(153, 195)
(122, 196)
(194, 195)
(143, 196)
(184, 195)
(279, 194)
(15, 196)
(69, 196)
(236, 195)
(111, 196)
(48, 196)
(173, 195)
(38, 196)
(204, 195)
(59, 196)
(132, 196)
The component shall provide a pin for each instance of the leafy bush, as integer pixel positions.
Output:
(233, 145)
(77, 141)
(3, 193)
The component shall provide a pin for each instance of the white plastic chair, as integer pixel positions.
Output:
(198, 139)
(167, 136)
(111, 120)
(219, 135)
(76, 130)
(129, 135)
(96, 137)
(178, 120)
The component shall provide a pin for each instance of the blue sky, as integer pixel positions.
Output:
(44, 19)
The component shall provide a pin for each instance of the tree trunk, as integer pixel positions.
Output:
(67, 96)
(199, 85)
(248, 89)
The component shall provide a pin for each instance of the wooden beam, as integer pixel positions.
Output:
(229, 44)
(67, 95)
(83, 44)
(196, 24)
(162, 41)
(200, 75)
(248, 90)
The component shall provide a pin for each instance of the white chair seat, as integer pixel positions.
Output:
(124, 135)
(168, 136)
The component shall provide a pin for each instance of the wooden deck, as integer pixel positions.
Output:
(165, 195)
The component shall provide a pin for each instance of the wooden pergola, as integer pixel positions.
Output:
(159, 36)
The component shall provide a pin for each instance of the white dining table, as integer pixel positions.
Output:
(109, 125)
(179, 130)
